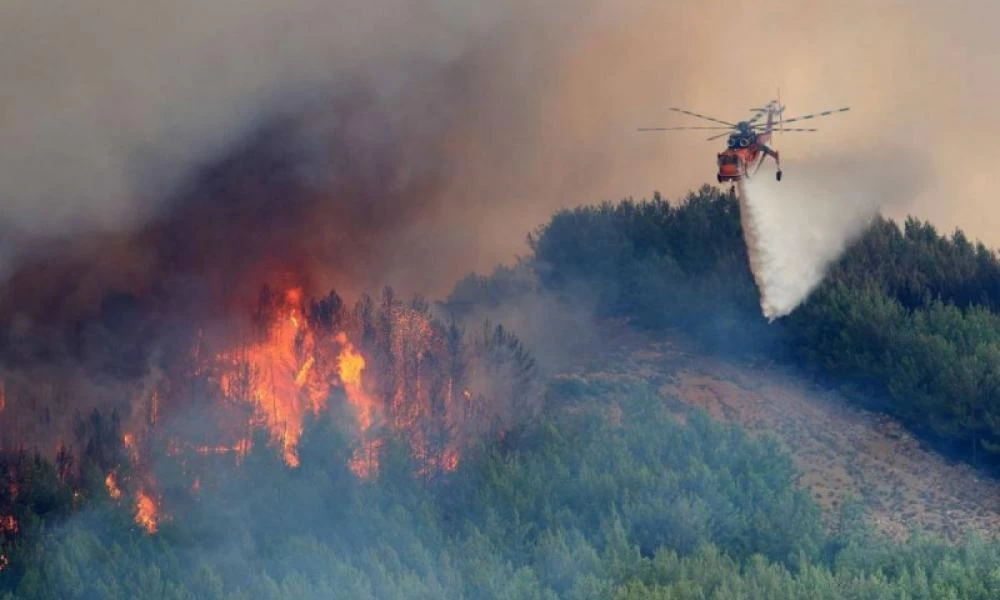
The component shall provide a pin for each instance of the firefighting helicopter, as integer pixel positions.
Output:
(748, 140)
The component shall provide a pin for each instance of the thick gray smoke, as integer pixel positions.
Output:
(108, 108)
(795, 229)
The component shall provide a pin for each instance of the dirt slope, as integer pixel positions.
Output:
(841, 450)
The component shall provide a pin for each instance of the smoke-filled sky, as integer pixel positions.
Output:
(505, 110)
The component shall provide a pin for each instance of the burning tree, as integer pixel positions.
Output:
(385, 367)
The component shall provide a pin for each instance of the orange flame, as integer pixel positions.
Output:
(350, 366)
(288, 369)
(111, 482)
(277, 375)
(146, 512)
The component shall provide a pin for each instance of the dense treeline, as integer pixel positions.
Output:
(607, 496)
(658, 264)
(907, 318)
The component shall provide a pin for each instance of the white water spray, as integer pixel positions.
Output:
(795, 229)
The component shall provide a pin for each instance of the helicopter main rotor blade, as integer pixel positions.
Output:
(680, 128)
(707, 118)
(794, 129)
(715, 137)
(814, 115)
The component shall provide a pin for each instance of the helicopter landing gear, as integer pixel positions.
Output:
(778, 175)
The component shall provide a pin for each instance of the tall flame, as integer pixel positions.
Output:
(276, 374)
(286, 375)
(350, 366)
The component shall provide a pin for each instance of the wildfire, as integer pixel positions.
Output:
(214, 380)
(276, 375)
(111, 482)
(289, 372)
(146, 508)
(146, 512)
(295, 355)
(350, 366)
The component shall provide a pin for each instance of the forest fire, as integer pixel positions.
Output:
(391, 368)
(161, 368)
(397, 367)
(350, 366)
(276, 375)
(111, 482)
(289, 372)
(146, 510)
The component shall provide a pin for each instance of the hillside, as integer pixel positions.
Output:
(841, 450)
(905, 327)
(520, 440)
(907, 319)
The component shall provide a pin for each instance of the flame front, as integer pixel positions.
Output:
(403, 374)
(285, 369)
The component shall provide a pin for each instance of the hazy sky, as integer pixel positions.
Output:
(105, 107)
(922, 79)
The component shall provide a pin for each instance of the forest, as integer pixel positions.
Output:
(603, 490)
(608, 495)
(906, 322)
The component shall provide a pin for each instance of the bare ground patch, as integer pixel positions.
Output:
(841, 450)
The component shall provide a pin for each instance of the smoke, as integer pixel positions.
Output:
(164, 160)
(111, 110)
(795, 229)
(516, 108)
